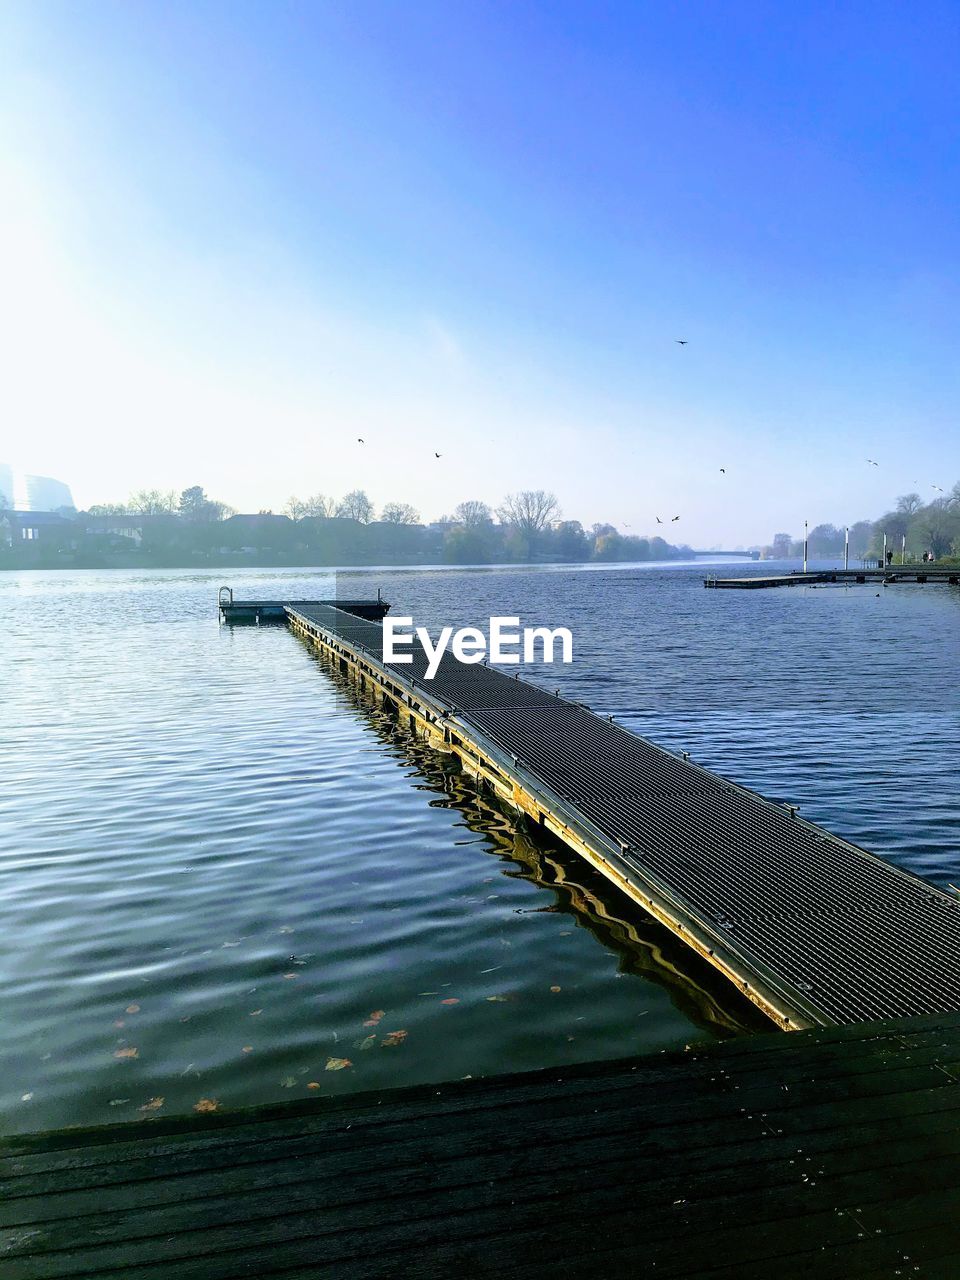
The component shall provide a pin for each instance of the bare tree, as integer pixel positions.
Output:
(295, 509)
(320, 505)
(356, 506)
(400, 513)
(152, 502)
(529, 511)
(4, 501)
(473, 513)
(909, 503)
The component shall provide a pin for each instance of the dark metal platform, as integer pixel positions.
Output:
(820, 577)
(812, 928)
(275, 610)
(832, 1153)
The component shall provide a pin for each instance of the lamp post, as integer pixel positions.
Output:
(804, 546)
(884, 562)
(903, 548)
(846, 548)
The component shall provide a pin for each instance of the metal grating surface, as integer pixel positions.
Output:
(858, 938)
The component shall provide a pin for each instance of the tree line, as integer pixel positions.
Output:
(913, 526)
(164, 528)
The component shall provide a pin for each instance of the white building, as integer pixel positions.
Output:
(32, 493)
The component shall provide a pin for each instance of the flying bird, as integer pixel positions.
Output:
(872, 463)
(937, 487)
(723, 471)
(683, 341)
(659, 521)
(360, 440)
(437, 455)
(674, 518)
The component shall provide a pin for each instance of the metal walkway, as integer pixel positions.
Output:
(810, 927)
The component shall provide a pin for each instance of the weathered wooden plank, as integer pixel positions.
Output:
(110, 1145)
(483, 1234)
(485, 1152)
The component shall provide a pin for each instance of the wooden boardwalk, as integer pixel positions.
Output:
(826, 1154)
(811, 928)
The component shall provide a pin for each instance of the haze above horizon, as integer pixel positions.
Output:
(237, 237)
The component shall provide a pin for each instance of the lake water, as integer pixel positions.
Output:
(224, 876)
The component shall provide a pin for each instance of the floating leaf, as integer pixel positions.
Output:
(247, 1048)
(118, 1102)
(206, 1104)
(119, 1023)
(374, 1017)
(312, 1084)
(25, 1097)
(393, 1038)
(288, 1082)
(291, 975)
(127, 1053)
(450, 1000)
(132, 1008)
(367, 1043)
(152, 1104)
(497, 999)
(284, 928)
(255, 1013)
(338, 1064)
(555, 989)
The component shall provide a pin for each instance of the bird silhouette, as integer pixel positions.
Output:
(360, 440)
(872, 463)
(937, 487)
(674, 518)
(659, 521)
(683, 341)
(723, 471)
(437, 455)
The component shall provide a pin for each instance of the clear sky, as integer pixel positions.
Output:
(237, 236)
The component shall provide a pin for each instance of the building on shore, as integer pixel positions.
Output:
(22, 492)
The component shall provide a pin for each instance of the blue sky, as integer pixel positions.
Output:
(238, 236)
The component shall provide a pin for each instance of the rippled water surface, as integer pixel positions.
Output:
(223, 875)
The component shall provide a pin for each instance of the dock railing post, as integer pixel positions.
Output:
(846, 549)
(804, 546)
(884, 561)
(903, 548)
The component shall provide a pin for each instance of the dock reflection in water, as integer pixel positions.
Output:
(643, 947)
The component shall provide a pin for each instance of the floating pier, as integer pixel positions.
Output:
(829, 1154)
(811, 928)
(799, 578)
(256, 611)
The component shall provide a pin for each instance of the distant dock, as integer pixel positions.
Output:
(233, 611)
(811, 928)
(888, 576)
